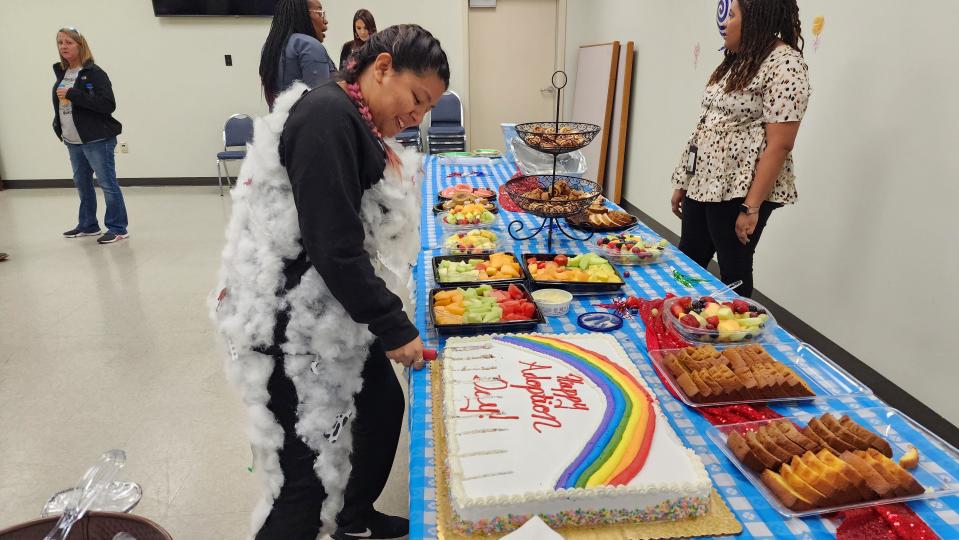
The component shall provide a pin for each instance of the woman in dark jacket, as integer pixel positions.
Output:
(82, 103)
(314, 297)
(364, 26)
(294, 50)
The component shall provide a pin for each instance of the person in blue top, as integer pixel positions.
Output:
(294, 48)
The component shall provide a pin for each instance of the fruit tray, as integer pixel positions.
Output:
(456, 246)
(438, 207)
(437, 262)
(473, 329)
(936, 457)
(823, 376)
(575, 287)
(743, 333)
(456, 227)
(629, 258)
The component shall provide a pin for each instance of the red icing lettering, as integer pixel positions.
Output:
(485, 408)
(566, 396)
(539, 398)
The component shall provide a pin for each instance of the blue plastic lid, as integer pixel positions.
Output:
(597, 321)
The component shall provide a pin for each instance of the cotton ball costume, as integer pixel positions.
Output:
(325, 349)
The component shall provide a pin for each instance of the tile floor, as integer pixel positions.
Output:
(110, 347)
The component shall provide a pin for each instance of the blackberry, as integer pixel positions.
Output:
(698, 305)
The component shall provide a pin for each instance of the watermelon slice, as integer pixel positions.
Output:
(515, 292)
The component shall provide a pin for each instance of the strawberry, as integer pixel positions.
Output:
(685, 301)
(710, 327)
(531, 261)
(541, 265)
(740, 306)
(713, 321)
(677, 310)
(561, 260)
(690, 321)
(708, 299)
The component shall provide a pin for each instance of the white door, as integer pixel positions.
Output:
(512, 57)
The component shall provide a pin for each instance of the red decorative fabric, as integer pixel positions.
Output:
(888, 522)
(504, 199)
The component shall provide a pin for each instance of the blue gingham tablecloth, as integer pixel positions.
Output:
(751, 508)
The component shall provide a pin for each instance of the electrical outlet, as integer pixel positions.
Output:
(124, 149)
(228, 59)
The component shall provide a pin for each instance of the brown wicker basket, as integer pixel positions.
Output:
(93, 526)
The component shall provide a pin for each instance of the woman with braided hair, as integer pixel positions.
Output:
(737, 166)
(314, 295)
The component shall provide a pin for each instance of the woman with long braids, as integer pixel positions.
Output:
(737, 167)
(314, 296)
(294, 48)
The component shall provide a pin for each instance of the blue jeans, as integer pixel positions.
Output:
(97, 157)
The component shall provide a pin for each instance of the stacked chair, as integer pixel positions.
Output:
(411, 138)
(446, 132)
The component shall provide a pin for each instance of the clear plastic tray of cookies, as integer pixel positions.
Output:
(825, 461)
(708, 375)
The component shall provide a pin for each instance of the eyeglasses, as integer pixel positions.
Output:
(322, 12)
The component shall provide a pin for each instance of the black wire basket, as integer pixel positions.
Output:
(557, 137)
(552, 196)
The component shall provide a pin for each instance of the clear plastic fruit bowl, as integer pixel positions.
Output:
(456, 227)
(708, 335)
(653, 251)
(461, 249)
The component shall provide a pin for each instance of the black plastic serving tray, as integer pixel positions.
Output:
(573, 287)
(438, 207)
(486, 328)
(459, 258)
(589, 227)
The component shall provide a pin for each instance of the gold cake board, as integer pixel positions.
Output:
(719, 521)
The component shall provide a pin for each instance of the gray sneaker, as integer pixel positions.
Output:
(76, 231)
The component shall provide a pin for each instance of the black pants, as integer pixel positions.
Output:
(710, 228)
(376, 432)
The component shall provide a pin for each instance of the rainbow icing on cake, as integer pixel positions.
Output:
(560, 426)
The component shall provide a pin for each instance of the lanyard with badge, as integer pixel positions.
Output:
(693, 148)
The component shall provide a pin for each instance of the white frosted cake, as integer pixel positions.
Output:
(560, 426)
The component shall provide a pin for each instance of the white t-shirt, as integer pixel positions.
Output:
(67, 126)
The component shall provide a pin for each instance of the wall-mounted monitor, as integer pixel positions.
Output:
(251, 8)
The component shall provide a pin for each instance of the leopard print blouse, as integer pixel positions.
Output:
(732, 137)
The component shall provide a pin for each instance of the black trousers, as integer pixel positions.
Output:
(376, 432)
(709, 228)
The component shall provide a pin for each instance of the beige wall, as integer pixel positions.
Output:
(869, 255)
(172, 88)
